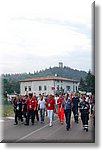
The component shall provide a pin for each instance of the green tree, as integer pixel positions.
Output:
(82, 85)
(90, 82)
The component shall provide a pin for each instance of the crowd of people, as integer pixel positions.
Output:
(31, 107)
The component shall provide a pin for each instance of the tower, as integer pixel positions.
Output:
(60, 64)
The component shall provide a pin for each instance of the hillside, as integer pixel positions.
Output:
(11, 81)
(64, 72)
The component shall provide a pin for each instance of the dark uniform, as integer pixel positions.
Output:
(84, 109)
(75, 102)
(24, 109)
(18, 110)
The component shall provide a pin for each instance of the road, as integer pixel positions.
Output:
(43, 133)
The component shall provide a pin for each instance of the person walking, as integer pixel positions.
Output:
(31, 107)
(17, 109)
(60, 108)
(36, 110)
(66, 104)
(50, 105)
(84, 109)
(75, 102)
(41, 106)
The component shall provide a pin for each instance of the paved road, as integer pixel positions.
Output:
(43, 133)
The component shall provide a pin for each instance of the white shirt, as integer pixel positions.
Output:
(41, 103)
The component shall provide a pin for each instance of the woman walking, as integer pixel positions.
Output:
(66, 104)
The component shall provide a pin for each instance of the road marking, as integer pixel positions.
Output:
(34, 132)
(1, 120)
(10, 118)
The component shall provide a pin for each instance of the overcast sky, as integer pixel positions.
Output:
(37, 34)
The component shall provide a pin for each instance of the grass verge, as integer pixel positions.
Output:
(6, 110)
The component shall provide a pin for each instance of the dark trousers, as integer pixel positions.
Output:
(18, 116)
(67, 116)
(25, 115)
(37, 115)
(30, 113)
(85, 118)
(42, 114)
(75, 112)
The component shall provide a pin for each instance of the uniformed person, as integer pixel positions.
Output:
(75, 102)
(31, 107)
(17, 109)
(84, 109)
(25, 107)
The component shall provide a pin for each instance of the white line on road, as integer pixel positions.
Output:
(33, 132)
(11, 118)
(1, 120)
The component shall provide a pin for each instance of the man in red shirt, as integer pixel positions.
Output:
(60, 109)
(50, 105)
(31, 107)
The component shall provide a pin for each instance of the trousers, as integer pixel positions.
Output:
(18, 116)
(67, 116)
(30, 113)
(50, 116)
(42, 114)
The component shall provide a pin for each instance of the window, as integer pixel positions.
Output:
(40, 88)
(45, 88)
(67, 88)
(25, 88)
(29, 88)
(57, 87)
(76, 88)
(73, 88)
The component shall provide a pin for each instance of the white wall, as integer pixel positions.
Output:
(35, 87)
(49, 84)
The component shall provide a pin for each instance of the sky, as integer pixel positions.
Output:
(37, 34)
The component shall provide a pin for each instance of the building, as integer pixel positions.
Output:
(48, 85)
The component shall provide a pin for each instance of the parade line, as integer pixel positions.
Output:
(22, 138)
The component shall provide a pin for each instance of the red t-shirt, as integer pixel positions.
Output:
(50, 104)
(31, 103)
(60, 100)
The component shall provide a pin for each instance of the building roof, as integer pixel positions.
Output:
(45, 78)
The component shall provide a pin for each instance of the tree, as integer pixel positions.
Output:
(82, 85)
(90, 82)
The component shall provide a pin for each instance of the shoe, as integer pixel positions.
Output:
(50, 125)
(86, 129)
(15, 124)
(67, 129)
(26, 124)
(32, 123)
